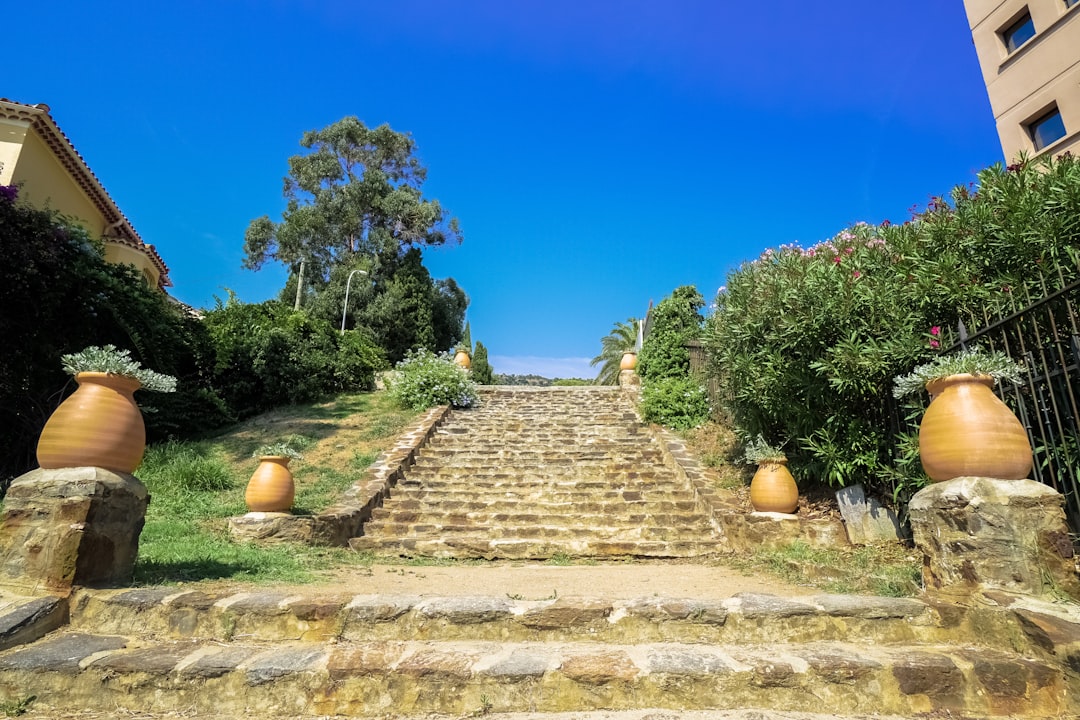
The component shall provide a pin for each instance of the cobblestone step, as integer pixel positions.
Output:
(570, 517)
(552, 529)
(416, 503)
(614, 497)
(453, 477)
(367, 679)
(535, 451)
(479, 546)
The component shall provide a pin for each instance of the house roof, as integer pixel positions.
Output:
(122, 231)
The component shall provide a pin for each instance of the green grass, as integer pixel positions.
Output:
(196, 486)
(886, 570)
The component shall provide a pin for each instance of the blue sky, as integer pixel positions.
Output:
(597, 153)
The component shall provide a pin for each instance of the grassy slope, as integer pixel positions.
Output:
(196, 486)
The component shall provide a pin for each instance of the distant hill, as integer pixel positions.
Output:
(535, 380)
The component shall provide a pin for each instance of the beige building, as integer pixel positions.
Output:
(36, 155)
(1029, 51)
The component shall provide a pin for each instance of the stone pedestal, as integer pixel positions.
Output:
(271, 527)
(72, 526)
(629, 379)
(979, 534)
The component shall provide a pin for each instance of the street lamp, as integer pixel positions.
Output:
(345, 308)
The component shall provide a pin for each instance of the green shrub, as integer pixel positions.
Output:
(672, 323)
(806, 342)
(679, 403)
(268, 355)
(423, 380)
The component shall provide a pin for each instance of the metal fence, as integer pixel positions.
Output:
(1044, 334)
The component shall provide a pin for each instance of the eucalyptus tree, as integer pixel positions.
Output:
(356, 192)
(621, 339)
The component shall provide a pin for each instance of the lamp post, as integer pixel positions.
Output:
(345, 308)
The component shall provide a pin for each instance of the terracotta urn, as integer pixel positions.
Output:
(462, 358)
(773, 488)
(969, 431)
(629, 361)
(271, 487)
(99, 425)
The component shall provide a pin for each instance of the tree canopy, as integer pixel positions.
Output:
(356, 192)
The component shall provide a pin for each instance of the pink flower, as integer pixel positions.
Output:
(849, 250)
(836, 259)
(856, 274)
(934, 343)
(936, 330)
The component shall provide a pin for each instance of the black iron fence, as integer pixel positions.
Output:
(1044, 335)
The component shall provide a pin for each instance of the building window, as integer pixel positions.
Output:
(1047, 129)
(1018, 33)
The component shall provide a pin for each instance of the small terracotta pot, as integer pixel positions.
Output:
(629, 361)
(462, 358)
(773, 489)
(271, 487)
(968, 431)
(99, 425)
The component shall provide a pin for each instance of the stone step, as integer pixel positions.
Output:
(367, 679)
(501, 505)
(747, 618)
(481, 546)
(532, 458)
(619, 516)
(536, 495)
(447, 478)
(391, 527)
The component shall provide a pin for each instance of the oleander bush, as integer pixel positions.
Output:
(806, 341)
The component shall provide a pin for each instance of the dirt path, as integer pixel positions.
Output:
(534, 581)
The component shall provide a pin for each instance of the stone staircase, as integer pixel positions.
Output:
(534, 473)
(297, 654)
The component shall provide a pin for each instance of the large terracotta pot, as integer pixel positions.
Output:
(967, 430)
(773, 489)
(271, 487)
(629, 361)
(462, 358)
(99, 425)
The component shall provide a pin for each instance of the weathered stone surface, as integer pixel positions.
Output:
(935, 676)
(380, 608)
(217, 662)
(753, 605)
(367, 659)
(705, 612)
(869, 607)
(154, 660)
(72, 526)
(521, 664)
(687, 661)
(29, 620)
(866, 520)
(143, 598)
(751, 531)
(61, 654)
(446, 664)
(278, 663)
(567, 613)
(465, 610)
(599, 667)
(271, 527)
(841, 669)
(979, 533)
